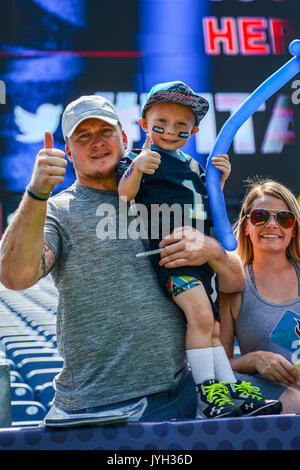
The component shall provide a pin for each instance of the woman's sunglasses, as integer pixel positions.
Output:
(260, 217)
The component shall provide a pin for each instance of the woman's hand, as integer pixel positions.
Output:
(275, 367)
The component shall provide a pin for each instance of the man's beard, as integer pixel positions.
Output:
(105, 174)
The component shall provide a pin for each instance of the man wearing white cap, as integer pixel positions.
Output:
(121, 338)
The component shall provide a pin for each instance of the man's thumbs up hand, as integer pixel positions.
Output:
(50, 167)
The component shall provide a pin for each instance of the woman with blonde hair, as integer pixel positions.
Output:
(268, 237)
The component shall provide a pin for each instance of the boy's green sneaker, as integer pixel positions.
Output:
(250, 400)
(214, 402)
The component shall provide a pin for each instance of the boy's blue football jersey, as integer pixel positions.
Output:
(176, 185)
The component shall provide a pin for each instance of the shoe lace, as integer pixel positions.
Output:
(217, 394)
(246, 388)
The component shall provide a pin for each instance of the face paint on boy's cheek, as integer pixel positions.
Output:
(183, 135)
(160, 130)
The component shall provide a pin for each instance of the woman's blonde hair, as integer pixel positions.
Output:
(258, 188)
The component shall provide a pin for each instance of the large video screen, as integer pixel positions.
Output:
(53, 51)
(249, 41)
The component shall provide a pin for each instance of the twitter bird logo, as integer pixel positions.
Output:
(32, 125)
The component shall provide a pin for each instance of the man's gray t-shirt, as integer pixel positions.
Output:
(118, 333)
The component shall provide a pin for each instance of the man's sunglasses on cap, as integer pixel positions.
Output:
(260, 217)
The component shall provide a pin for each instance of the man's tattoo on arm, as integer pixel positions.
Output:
(47, 260)
(129, 171)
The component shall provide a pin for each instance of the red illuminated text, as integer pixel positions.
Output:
(246, 35)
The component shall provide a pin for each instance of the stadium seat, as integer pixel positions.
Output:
(10, 321)
(45, 323)
(41, 376)
(5, 332)
(27, 412)
(22, 339)
(46, 329)
(15, 376)
(18, 356)
(21, 391)
(12, 347)
(36, 363)
(45, 394)
(49, 334)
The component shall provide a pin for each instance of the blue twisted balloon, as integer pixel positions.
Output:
(243, 112)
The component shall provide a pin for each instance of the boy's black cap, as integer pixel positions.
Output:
(176, 92)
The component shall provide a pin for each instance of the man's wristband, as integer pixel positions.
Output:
(36, 195)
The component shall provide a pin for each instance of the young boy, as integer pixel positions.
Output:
(161, 174)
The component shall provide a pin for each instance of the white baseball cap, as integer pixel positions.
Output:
(86, 107)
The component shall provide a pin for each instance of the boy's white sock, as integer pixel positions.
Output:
(223, 369)
(201, 362)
